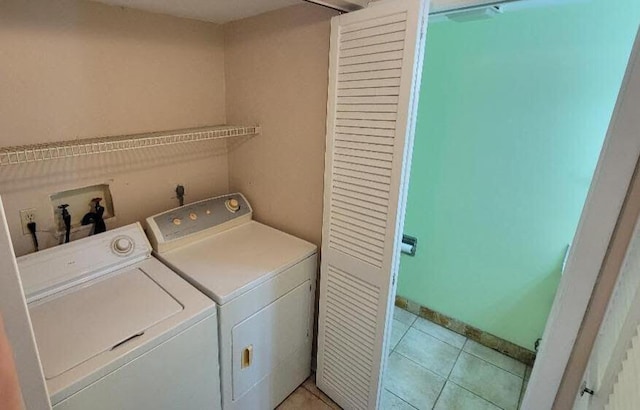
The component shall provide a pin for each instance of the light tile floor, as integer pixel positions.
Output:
(308, 396)
(431, 367)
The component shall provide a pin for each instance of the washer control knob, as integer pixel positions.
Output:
(122, 245)
(177, 221)
(232, 205)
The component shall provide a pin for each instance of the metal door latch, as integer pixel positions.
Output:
(584, 389)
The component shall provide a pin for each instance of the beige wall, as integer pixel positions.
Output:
(74, 68)
(77, 69)
(82, 69)
(276, 68)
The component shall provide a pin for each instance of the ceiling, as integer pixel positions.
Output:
(215, 11)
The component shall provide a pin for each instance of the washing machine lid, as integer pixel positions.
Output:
(76, 325)
(232, 262)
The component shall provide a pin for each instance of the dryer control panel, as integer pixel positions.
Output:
(190, 222)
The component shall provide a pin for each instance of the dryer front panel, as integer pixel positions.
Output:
(270, 337)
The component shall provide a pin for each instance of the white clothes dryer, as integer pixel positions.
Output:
(263, 281)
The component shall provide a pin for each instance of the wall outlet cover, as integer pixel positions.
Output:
(26, 216)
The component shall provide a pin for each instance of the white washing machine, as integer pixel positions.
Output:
(117, 329)
(263, 281)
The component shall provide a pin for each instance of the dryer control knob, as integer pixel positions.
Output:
(232, 205)
(122, 245)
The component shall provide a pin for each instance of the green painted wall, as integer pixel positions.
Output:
(513, 111)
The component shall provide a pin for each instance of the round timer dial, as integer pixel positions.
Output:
(122, 245)
(232, 205)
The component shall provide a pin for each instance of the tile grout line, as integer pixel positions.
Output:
(517, 350)
(449, 375)
(476, 394)
(523, 388)
(400, 398)
(430, 371)
(497, 367)
(436, 337)
(399, 340)
(494, 365)
(456, 361)
(464, 344)
(436, 324)
(422, 366)
(460, 351)
(415, 317)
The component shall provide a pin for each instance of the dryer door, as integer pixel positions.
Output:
(267, 339)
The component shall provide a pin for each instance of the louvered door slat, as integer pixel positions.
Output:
(374, 68)
(372, 23)
(362, 175)
(383, 99)
(365, 246)
(346, 218)
(346, 290)
(375, 83)
(375, 155)
(373, 207)
(368, 75)
(374, 171)
(361, 182)
(365, 139)
(359, 130)
(374, 116)
(371, 40)
(351, 347)
(356, 234)
(364, 67)
(375, 31)
(358, 212)
(348, 358)
(362, 123)
(372, 58)
(353, 381)
(369, 146)
(372, 49)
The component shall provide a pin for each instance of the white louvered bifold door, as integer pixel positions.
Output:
(374, 78)
(613, 371)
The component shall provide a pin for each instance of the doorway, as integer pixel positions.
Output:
(512, 116)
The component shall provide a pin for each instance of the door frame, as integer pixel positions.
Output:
(603, 209)
(18, 325)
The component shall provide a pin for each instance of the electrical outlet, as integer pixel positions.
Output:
(26, 216)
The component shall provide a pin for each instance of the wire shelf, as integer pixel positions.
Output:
(66, 149)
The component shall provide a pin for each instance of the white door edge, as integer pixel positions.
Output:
(611, 181)
(13, 306)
